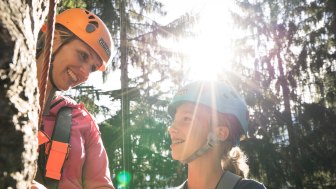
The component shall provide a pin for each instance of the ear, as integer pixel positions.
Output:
(222, 133)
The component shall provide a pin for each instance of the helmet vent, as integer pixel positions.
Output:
(91, 27)
(94, 23)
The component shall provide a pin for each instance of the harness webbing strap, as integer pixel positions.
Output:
(60, 147)
(228, 180)
(63, 125)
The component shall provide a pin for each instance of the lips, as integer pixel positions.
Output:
(177, 141)
(72, 75)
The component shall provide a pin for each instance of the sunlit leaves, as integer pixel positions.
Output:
(297, 37)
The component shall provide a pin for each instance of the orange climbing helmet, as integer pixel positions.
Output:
(90, 29)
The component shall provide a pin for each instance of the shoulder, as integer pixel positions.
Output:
(61, 101)
(80, 116)
(249, 184)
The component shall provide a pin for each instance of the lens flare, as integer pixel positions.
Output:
(123, 178)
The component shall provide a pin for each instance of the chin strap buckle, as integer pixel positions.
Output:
(57, 155)
(211, 142)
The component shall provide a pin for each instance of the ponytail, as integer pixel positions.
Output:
(234, 160)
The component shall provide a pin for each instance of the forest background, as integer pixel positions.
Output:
(283, 62)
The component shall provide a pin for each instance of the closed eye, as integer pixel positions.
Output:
(84, 56)
(186, 119)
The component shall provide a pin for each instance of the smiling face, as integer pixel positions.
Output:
(73, 63)
(189, 130)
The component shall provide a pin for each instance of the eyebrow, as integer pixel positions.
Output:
(187, 111)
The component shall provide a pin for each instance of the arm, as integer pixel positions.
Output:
(96, 173)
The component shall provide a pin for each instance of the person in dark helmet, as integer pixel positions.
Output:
(209, 118)
(82, 45)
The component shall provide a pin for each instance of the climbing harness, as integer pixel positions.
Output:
(54, 151)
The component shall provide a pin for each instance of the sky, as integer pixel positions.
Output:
(208, 53)
(176, 8)
(172, 13)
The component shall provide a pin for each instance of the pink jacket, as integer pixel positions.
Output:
(87, 164)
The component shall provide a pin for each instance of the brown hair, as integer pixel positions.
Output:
(66, 36)
(234, 159)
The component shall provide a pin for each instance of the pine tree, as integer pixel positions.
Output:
(291, 47)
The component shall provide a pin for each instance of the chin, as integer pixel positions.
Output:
(64, 88)
(175, 157)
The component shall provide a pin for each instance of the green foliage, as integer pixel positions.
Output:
(66, 4)
(152, 166)
(151, 163)
(144, 142)
(87, 95)
(287, 60)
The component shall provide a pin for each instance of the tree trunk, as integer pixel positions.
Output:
(293, 146)
(20, 22)
(125, 100)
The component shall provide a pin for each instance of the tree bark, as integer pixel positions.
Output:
(20, 22)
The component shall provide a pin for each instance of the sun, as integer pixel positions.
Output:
(209, 54)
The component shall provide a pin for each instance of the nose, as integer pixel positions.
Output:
(172, 128)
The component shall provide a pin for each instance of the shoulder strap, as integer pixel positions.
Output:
(228, 180)
(59, 148)
(63, 124)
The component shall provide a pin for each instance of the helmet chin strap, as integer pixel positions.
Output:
(211, 141)
(52, 61)
(54, 87)
(48, 102)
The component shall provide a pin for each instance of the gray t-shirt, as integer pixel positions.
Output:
(241, 184)
(249, 184)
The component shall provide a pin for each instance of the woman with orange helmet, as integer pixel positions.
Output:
(209, 119)
(82, 45)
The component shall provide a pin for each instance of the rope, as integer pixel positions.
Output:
(47, 55)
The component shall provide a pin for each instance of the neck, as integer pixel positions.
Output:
(204, 172)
